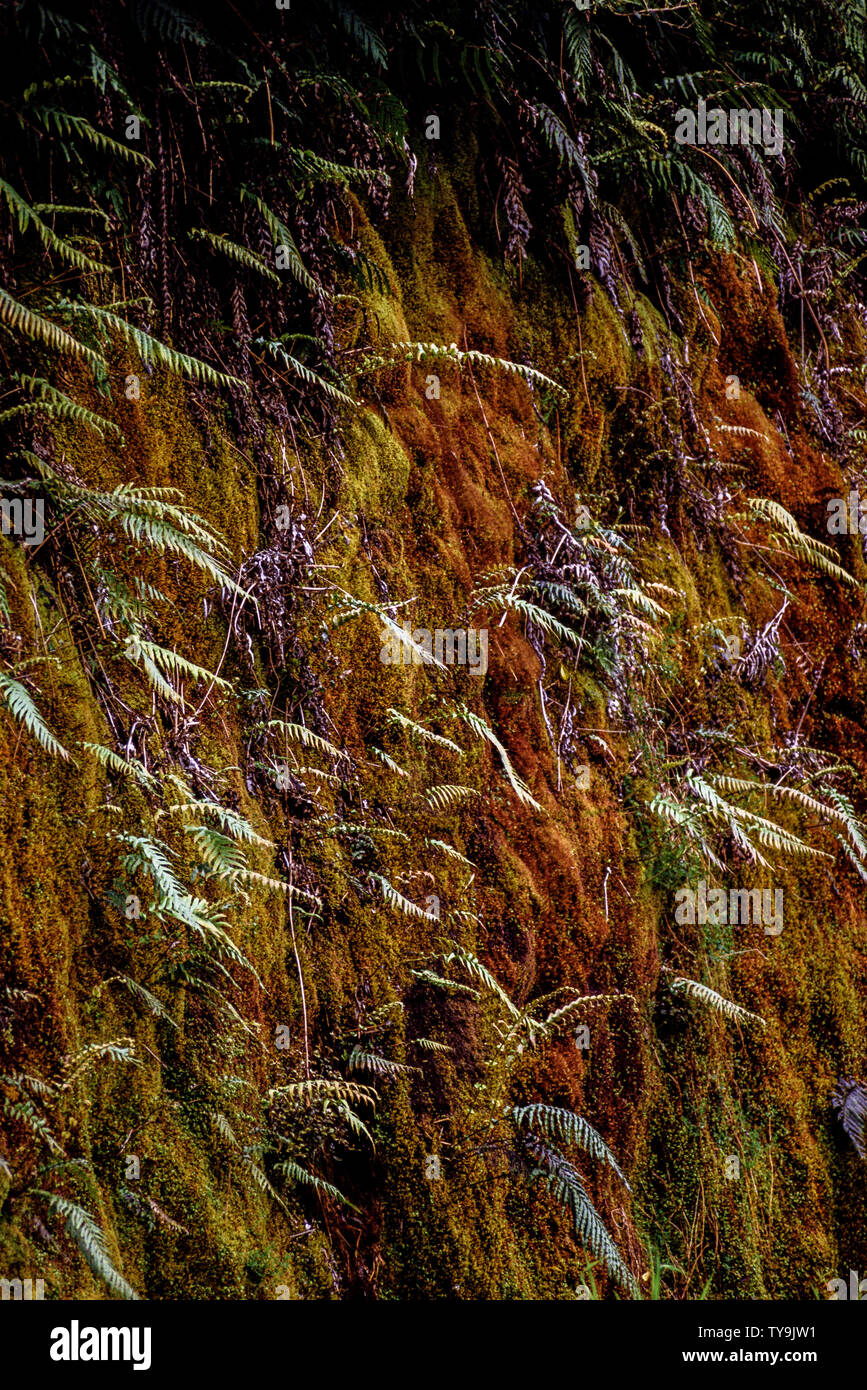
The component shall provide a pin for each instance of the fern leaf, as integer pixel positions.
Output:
(85, 1232)
(27, 321)
(705, 995)
(24, 710)
(573, 1129)
(293, 1172)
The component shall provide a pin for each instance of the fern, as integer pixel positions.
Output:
(294, 1173)
(138, 991)
(27, 216)
(850, 1103)
(151, 350)
(395, 717)
(564, 1182)
(791, 538)
(64, 123)
(299, 733)
(283, 237)
(483, 730)
(241, 254)
(86, 1233)
(55, 403)
(566, 1125)
(705, 995)
(24, 710)
(442, 797)
(125, 767)
(396, 899)
(476, 970)
(375, 1065)
(27, 321)
(320, 1090)
(307, 375)
(453, 356)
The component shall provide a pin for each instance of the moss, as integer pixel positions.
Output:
(576, 896)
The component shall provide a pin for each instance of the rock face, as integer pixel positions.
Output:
(326, 975)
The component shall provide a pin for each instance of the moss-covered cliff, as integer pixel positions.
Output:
(331, 977)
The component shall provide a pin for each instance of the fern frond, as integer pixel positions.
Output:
(241, 254)
(24, 710)
(705, 995)
(478, 726)
(566, 1125)
(88, 1235)
(396, 899)
(283, 237)
(150, 1001)
(293, 1172)
(125, 767)
(51, 401)
(299, 733)
(454, 356)
(64, 123)
(150, 349)
(375, 1065)
(395, 717)
(26, 216)
(27, 321)
(319, 1090)
(476, 970)
(564, 1182)
(442, 797)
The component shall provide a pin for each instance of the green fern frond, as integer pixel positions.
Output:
(430, 977)
(26, 216)
(64, 123)
(454, 356)
(483, 730)
(320, 1090)
(396, 899)
(241, 254)
(91, 1240)
(27, 321)
(144, 996)
(307, 375)
(566, 1125)
(375, 1065)
(395, 717)
(705, 995)
(160, 661)
(150, 349)
(388, 761)
(442, 797)
(125, 767)
(477, 971)
(231, 821)
(24, 710)
(564, 1182)
(116, 1050)
(51, 401)
(299, 733)
(293, 1172)
(282, 237)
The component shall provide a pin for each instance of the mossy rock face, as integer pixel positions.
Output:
(576, 896)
